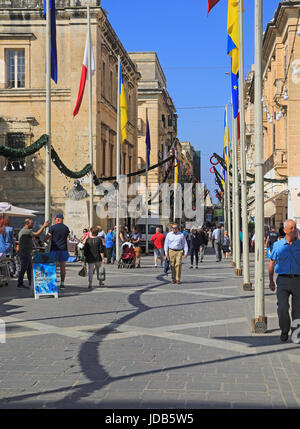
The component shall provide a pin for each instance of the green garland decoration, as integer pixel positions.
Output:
(64, 170)
(15, 154)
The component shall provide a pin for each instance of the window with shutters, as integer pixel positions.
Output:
(16, 141)
(15, 68)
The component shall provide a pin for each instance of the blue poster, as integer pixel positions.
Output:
(45, 282)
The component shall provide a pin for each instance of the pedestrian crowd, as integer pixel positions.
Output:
(282, 248)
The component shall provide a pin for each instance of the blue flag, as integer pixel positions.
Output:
(53, 38)
(235, 94)
(148, 144)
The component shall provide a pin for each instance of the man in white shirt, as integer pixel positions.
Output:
(216, 239)
(175, 245)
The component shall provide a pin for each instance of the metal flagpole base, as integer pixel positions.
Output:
(259, 325)
(238, 271)
(247, 286)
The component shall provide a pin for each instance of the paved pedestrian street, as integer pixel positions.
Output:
(142, 342)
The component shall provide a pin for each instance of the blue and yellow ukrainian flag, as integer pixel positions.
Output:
(233, 45)
(233, 42)
(226, 149)
(123, 109)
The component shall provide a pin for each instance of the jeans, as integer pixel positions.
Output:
(26, 267)
(218, 249)
(93, 265)
(114, 253)
(196, 253)
(109, 254)
(202, 248)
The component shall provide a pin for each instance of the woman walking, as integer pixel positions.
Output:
(7, 241)
(226, 245)
(94, 255)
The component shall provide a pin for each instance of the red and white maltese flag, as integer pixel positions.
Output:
(84, 75)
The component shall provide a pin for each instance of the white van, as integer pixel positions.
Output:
(153, 223)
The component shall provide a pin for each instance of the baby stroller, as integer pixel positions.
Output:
(127, 259)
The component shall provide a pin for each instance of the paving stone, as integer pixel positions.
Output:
(145, 370)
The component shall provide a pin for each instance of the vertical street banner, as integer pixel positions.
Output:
(44, 276)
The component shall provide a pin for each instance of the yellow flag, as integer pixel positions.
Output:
(123, 109)
(233, 33)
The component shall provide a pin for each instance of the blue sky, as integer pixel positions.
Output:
(191, 48)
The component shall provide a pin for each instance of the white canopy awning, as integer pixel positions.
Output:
(8, 209)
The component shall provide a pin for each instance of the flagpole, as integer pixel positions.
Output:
(225, 211)
(233, 195)
(175, 186)
(90, 117)
(259, 324)
(48, 112)
(228, 180)
(237, 270)
(147, 193)
(245, 231)
(118, 164)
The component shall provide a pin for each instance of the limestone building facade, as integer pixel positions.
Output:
(153, 96)
(281, 124)
(22, 99)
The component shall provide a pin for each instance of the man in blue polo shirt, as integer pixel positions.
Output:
(285, 258)
(59, 234)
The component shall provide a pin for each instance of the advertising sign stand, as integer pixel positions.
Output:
(44, 276)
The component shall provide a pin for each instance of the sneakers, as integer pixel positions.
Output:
(191, 267)
(196, 267)
(62, 286)
(284, 337)
(155, 266)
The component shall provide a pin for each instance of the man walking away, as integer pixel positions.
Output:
(194, 247)
(109, 245)
(25, 250)
(272, 237)
(203, 242)
(216, 242)
(158, 240)
(285, 257)
(175, 245)
(59, 234)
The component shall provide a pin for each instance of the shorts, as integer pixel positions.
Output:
(137, 251)
(60, 255)
(159, 253)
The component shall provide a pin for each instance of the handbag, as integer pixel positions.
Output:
(80, 245)
(101, 273)
(83, 271)
(166, 266)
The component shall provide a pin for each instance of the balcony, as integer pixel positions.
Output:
(277, 161)
(279, 92)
